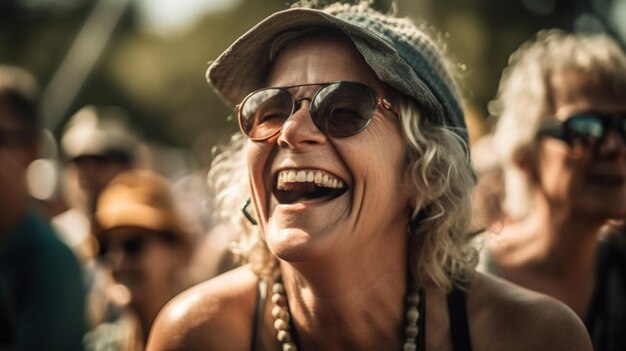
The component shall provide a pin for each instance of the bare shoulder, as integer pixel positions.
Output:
(505, 316)
(214, 315)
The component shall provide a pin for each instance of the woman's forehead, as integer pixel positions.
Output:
(575, 92)
(570, 86)
(316, 59)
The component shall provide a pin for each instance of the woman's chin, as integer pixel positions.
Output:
(295, 244)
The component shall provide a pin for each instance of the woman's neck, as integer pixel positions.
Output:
(356, 302)
(553, 233)
(552, 252)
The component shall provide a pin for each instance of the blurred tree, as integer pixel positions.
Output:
(160, 79)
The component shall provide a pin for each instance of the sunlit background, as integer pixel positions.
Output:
(150, 56)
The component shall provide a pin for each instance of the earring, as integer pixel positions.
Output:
(414, 223)
(247, 214)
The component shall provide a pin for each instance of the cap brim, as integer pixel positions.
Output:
(241, 69)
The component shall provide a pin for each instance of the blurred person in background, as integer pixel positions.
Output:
(98, 143)
(488, 214)
(146, 248)
(353, 160)
(561, 134)
(41, 288)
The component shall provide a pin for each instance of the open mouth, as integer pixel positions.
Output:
(301, 185)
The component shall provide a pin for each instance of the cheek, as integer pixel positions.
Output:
(387, 148)
(559, 171)
(377, 157)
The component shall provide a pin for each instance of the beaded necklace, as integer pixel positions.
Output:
(285, 335)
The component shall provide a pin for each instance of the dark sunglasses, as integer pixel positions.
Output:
(338, 109)
(586, 129)
(132, 246)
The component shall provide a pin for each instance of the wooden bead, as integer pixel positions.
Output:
(280, 324)
(278, 299)
(280, 312)
(411, 331)
(410, 346)
(413, 298)
(412, 314)
(278, 288)
(283, 336)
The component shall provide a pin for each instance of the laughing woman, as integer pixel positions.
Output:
(353, 154)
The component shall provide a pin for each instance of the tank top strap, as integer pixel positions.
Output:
(459, 326)
(257, 322)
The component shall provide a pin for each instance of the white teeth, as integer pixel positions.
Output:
(320, 178)
(301, 176)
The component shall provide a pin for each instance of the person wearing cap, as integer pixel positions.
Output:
(144, 245)
(561, 138)
(354, 172)
(98, 144)
(41, 287)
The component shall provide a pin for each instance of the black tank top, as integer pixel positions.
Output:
(457, 313)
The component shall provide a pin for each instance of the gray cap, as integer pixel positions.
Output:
(401, 55)
(99, 131)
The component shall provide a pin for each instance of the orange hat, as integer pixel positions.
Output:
(138, 198)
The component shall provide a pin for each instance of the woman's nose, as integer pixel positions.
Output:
(613, 145)
(299, 131)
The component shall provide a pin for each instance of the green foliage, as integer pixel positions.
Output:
(160, 80)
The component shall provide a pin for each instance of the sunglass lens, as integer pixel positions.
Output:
(264, 112)
(585, 130)
(133, 246)
(343, 109)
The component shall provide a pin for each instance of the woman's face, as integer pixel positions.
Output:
(588, 182)
(141, 260)
(369, 203)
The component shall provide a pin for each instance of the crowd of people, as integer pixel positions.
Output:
(350, 212)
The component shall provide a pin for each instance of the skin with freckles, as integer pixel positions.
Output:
(343, 259)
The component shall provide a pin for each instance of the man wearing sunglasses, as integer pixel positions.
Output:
(354, 175)
(562, 139)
